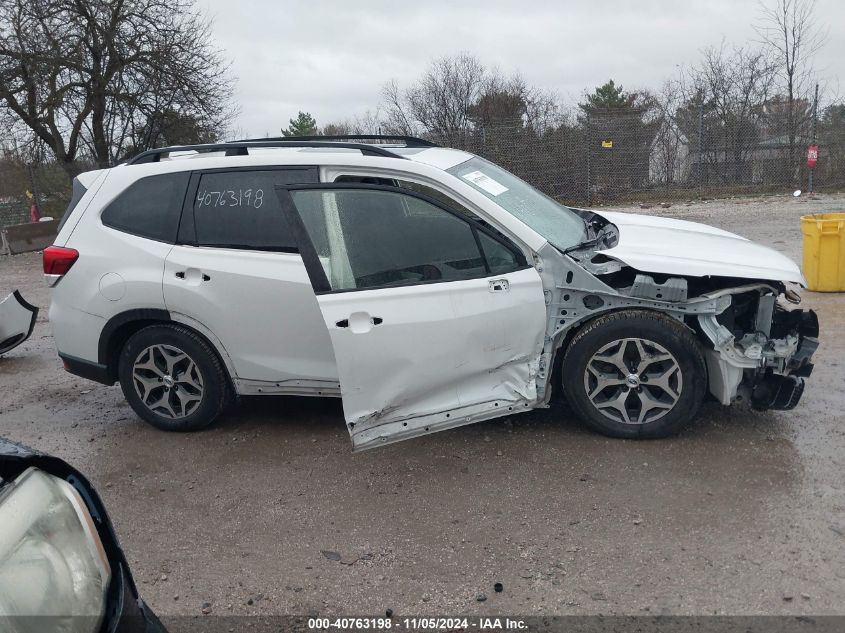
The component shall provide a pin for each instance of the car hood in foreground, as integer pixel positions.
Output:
(678, 247)
(126, 612)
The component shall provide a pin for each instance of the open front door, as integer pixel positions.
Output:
(435, 320)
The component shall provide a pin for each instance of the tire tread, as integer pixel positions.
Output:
(218, 373)
(686, 337)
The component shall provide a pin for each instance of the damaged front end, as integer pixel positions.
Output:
(757, 344)
(736, 294)
(762, 347)
(17, 320)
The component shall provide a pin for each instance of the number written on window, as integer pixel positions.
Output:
(239, 209)
(253, 198)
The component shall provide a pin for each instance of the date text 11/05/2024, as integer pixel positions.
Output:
(417, 624)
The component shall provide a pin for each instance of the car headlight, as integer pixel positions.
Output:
(52, 561)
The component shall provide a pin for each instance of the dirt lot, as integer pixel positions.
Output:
(745, 513)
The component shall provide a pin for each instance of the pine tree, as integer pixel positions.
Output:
(608, 96)
(303, 125)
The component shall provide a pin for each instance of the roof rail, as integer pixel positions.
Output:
(409, 141)
(241, 148)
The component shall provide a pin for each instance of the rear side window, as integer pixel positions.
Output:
(240, 209)
(78, 191)
(150, 207)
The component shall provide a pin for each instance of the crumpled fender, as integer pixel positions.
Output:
(17, 319)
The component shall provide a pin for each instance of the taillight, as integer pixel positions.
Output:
(58, 260)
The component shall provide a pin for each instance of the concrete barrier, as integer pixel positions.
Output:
(22, 238)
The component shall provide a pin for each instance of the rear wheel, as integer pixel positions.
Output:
(172, 378)
(635, 374)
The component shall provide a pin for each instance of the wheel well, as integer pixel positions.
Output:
(555, 380)
(116, 338)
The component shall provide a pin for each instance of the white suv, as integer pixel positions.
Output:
(426, 286)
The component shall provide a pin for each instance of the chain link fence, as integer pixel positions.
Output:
(21, 184)
(600, 157)
(612, 156)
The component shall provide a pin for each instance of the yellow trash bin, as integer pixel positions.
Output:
(824, 251)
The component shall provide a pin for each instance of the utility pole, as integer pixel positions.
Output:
(813, 142)
(700, 146)
(589, 151)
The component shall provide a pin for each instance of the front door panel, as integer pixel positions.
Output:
(425, 336)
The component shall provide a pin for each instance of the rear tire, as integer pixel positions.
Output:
(635, 374)
(172, 378)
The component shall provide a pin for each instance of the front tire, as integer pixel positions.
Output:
(635, 374)
(172, 378)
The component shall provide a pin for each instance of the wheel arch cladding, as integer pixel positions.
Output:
(121, 327)
(117, 331)
(570, 334)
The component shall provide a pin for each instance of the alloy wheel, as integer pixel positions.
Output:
(633, 381)
(167, 381)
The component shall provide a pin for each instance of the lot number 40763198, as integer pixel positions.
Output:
(231, 198)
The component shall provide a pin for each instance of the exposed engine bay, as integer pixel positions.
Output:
(762, 348)
(757, 343)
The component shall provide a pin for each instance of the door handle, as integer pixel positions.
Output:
(181, 275)
(361, 322)
(498, 285)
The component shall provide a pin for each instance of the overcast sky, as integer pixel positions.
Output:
(331, 58)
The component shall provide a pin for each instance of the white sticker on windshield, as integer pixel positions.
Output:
(485, 182)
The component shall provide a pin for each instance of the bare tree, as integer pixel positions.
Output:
(109, 77)
(398, 118)
(457, 95)
(669, 145)
(509, 100)
(439, 101)
(368, 123)
(730, 90)
(789, 31)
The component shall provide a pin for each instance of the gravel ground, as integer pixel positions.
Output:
(269, 511)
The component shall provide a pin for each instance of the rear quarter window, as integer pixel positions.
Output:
(149, 207)
(79, 190)
(240, 209)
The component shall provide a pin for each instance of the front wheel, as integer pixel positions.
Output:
(635, 374)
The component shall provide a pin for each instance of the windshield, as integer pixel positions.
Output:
(562, 227)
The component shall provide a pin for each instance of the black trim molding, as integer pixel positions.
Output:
(87, 369)
(119, 320)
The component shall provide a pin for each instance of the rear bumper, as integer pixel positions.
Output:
(87, 369)
(17, 320)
